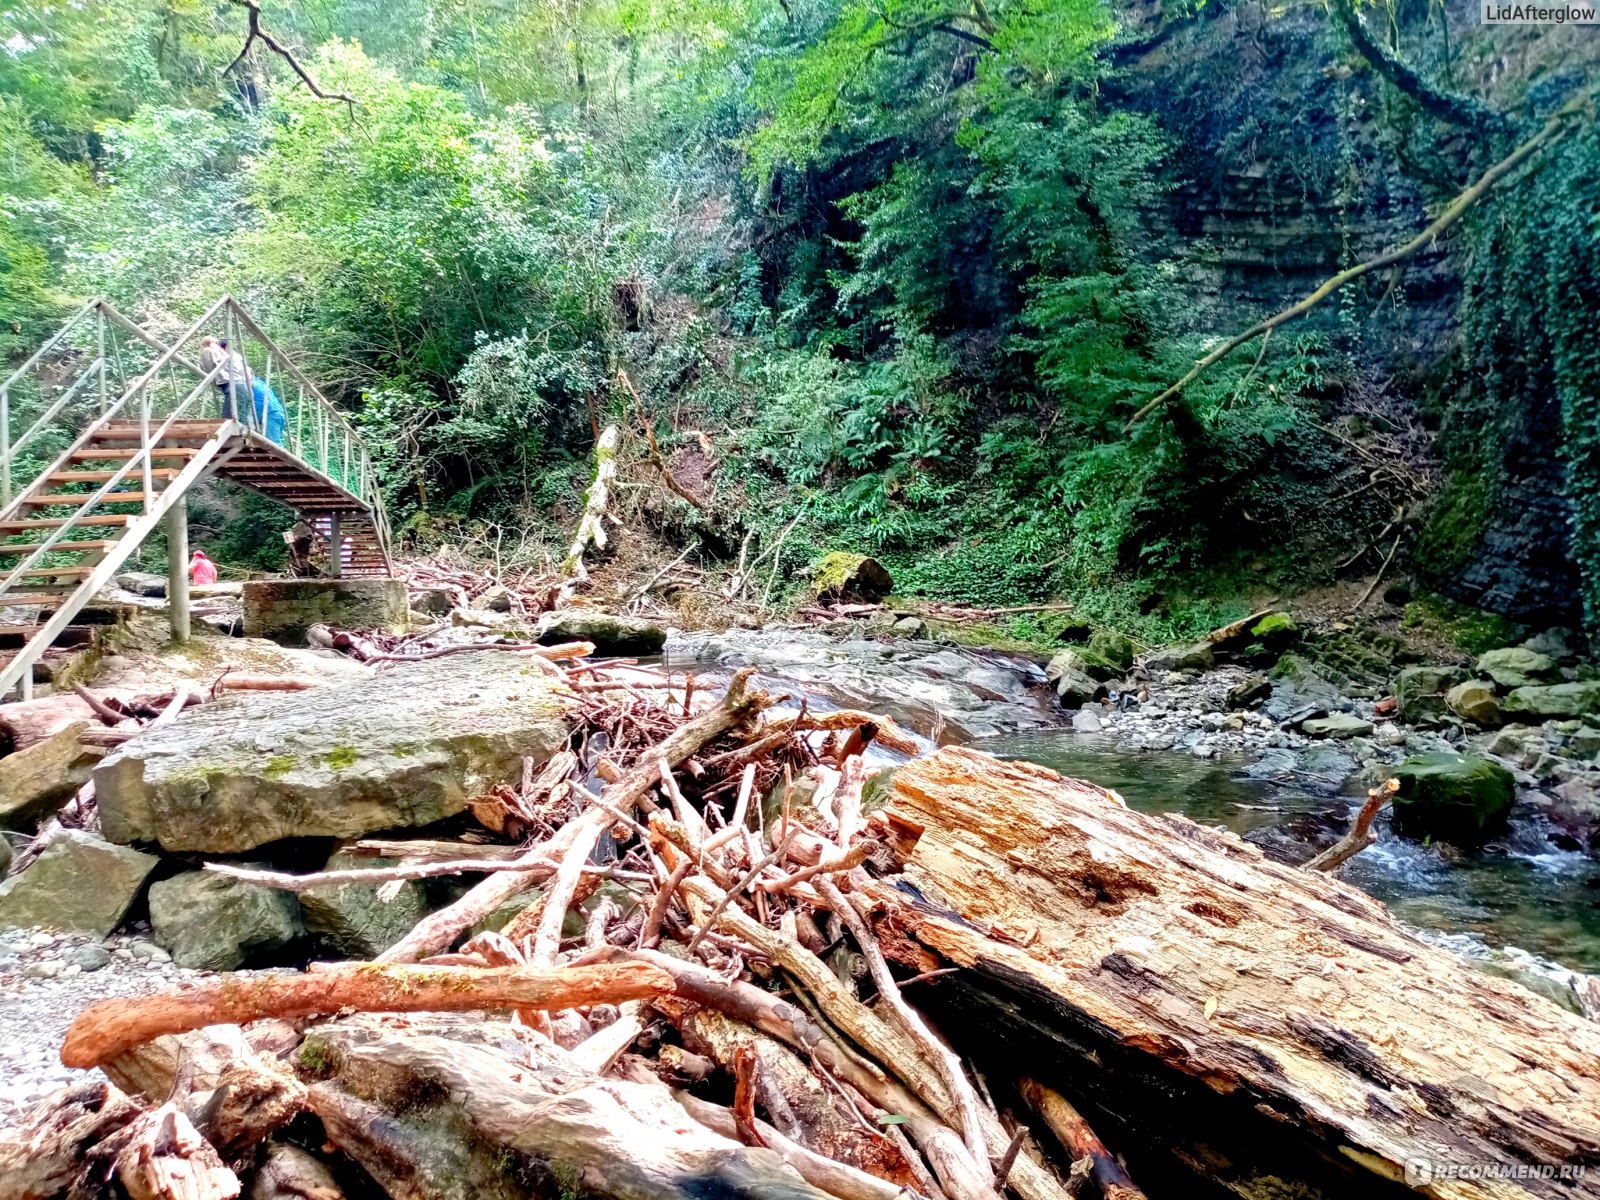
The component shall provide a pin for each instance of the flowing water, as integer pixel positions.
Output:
(1520, 905)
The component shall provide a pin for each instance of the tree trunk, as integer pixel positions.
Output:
(1223, 1013)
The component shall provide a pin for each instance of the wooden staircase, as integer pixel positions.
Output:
(64, 536)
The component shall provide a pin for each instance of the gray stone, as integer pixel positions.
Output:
(1419, 693)
(610, 633)
(1515, 667)
(212, 923)
(1456, 798)
(5, 855)
(1197, 656)
(1074, 685)
(142, 583)
(352, 921)
(406, 747)
(90, 957)
(47, 969)
(1337, 726)
(1541, 702)
(911, 627)
(283, 609)
(431, 601)
(1563, 645)
(1113, 648)
(1250, 690)
(1086, 720)
(79, 882)
(37, 781)
(1475, 701)
(1585, 742)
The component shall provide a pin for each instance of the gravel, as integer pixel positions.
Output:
(46, 980)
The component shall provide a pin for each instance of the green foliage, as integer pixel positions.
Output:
(1468, 629)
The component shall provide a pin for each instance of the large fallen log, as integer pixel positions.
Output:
(1214, 1012)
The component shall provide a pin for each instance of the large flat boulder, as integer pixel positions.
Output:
(610, 633)
(405, 747)
(37, 781)
(78, 882)
(1554, 701)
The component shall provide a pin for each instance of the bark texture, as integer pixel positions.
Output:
(1185, 962)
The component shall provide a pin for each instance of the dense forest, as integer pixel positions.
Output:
(918, 274)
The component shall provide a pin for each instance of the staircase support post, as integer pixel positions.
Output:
(335, 547)
(177, 520)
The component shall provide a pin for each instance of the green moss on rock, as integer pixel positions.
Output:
(1456, 798)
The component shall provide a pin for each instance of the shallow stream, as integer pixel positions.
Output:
(1520, 904)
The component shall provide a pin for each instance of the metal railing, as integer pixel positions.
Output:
(54, 383)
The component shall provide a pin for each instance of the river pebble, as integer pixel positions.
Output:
(46, 980)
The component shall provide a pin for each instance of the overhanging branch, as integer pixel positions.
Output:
(1556, 127)
(1447, 106)
(257, 33)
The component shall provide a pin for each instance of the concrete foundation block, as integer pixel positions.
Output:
(283, 609)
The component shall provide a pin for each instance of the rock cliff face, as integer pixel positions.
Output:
(406, 747)
(1295, 161)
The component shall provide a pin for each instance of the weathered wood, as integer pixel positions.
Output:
(835, 1178)
(1254, 1001)
(801, 1107)
(165, 1158)
(587, 1135)
(47, 1157)
(111, 1027)
(1079, 1141)
(289, 1173)
(236, 1097)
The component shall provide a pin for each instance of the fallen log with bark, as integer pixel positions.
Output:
(1002, 983)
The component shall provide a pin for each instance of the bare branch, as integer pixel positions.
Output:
(257, 33)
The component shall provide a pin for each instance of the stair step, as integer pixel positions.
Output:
(26, 548)
(17, 599)
(102, 476)
(116, 452)
(135, 428)
(56, 499)
(57, 522)
(54, 572)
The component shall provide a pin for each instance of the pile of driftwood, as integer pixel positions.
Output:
(729, 974)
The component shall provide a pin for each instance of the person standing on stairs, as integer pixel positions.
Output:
(235, 381)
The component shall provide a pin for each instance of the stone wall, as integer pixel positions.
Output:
(283, 609)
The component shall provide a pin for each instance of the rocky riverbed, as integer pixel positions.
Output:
(46, 979)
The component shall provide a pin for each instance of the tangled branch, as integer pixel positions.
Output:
(258, 34)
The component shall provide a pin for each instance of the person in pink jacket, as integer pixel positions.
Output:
(202, 569)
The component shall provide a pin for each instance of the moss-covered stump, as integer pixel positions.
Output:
(856, 578)
(283, 609)
(406, 747)
(1456, 798)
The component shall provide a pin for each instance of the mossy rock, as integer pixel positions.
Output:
(1556, 701)
(1419, 693)
(1276, 631)
(1516, 666)
(854, 578)
(1457, 798)
(1114, 649)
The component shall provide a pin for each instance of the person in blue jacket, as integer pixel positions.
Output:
(270, 416)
